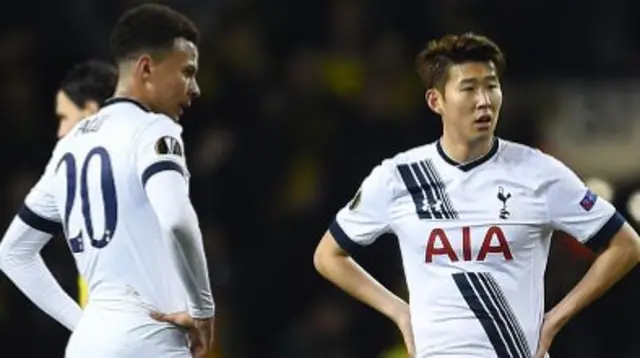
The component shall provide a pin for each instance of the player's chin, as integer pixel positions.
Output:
(482, 132)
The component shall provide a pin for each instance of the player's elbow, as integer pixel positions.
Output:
(318, 259)
(8, 257)
(4, 256)
(176, 220)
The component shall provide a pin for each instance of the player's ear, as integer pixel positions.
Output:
(143, 67)
(434, 100)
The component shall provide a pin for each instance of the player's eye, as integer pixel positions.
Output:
(189, 71)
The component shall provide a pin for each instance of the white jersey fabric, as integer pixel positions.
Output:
(474, 240)
(97, 188)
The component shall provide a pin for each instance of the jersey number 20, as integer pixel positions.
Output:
(109, 199)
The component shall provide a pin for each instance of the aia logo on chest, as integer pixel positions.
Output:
(494, 242)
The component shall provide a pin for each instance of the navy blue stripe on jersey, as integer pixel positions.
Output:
(488, 313)
(427, 191)
(496, 292)
(440, 188)
(415, 190)
(601, 239)
(38, 222)
(500, 317)
(433, 202)
(345, 242)
(158, 167)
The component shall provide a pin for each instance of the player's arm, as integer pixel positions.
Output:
(573, 208)
(164, 176)
(356, 225)
(20, 258)
(337, 266)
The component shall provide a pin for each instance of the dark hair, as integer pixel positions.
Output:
(434, 60)
(90, 81)
(150, 28)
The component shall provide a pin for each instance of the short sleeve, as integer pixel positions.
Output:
(366, 216)
(40, 210)
(159, 148)
(578, 211)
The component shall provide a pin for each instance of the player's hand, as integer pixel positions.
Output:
(200, 329)
(195, 345)
(550, 328)
(403, 321)
(180, 319)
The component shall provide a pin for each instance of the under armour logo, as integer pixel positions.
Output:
(504, 213)
(432, 205)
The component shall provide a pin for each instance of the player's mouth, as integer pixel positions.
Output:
(183, 106)
(483, 121)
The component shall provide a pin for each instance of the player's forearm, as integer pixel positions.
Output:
(622, 255)
(21, 262)
(345, 273)
(188, 254)
(180, 225)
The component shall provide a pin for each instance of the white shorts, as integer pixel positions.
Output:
(109, 333)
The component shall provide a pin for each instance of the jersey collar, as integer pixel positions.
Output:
(472, 164)
(116, 100)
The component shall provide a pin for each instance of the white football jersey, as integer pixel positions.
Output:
(93, 187)
(474, 240)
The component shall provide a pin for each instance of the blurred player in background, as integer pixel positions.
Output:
(474, 215)
(82, 92)
(117, 184)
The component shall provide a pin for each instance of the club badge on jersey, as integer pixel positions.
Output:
(168, 145)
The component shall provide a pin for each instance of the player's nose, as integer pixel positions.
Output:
(483, 100)
(194, 90)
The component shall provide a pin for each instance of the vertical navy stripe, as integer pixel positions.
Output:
(487, 302)
(436, 187)
(414, 189)
(498, 316)
(429, 191)
(515, 327)
(481, 313)
(431, 171)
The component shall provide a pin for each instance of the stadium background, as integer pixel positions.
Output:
(300, 100)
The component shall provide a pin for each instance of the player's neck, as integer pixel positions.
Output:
(465, 152)
(126, 90)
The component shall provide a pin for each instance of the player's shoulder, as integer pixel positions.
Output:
(521, 155)
(128, 115)
(159, 124)
(531, 165)
(413, 155)
(387, 169)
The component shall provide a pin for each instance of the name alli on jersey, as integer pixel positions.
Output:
(493, 242)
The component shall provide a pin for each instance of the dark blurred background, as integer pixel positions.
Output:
(300, 100)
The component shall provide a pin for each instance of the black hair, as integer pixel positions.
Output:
(150, 28)
(90, 81)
